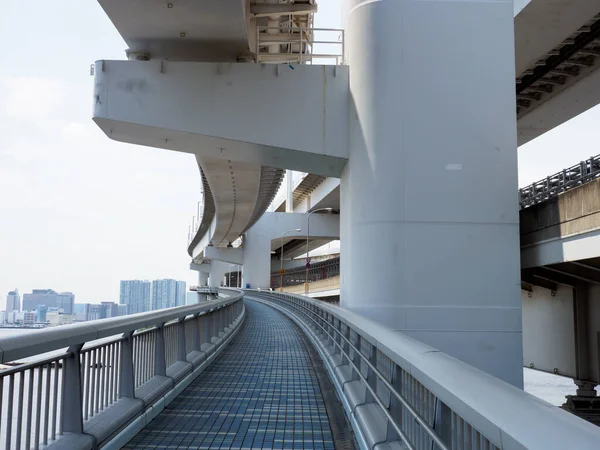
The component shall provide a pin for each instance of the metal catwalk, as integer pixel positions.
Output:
(262, 392)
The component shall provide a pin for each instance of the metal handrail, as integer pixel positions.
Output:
(321, 270)
(79, 372)
(560, 182)
(14, 348)
(429, 430)
(462, 407)
(305, 44)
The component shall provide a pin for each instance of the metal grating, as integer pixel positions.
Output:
(262, 392)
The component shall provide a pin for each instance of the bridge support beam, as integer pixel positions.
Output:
(218, 270)
(429, 226)
(256, 270)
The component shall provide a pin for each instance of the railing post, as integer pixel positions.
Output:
(218, 317)
(160, 364)
(73, 395)
(197, 337)
(371, 377)
(127, 379)
(207, 326)
(337, 335)
(395, 407)
(181, 346)
(443, 421)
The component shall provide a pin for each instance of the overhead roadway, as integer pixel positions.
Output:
(556, 57)
(557, 44)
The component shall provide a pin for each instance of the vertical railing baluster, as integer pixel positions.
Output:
(117, 365)
(31, 376)
(20, 410)
(9, 410)
(55, 399)
(1, 404)
(63, 388)
(97, 380)
(86, 385)
(47, 403)
(102, 375)
(38, 410)
(109, 384)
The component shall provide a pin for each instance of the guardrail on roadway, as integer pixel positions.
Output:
(402, 394)
(318, 271)
(105, 379)
(560, 182)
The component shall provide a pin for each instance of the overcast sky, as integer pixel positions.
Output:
(79, 212)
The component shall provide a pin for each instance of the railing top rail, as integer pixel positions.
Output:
(553, 185)
(14, 348)
(509, 417)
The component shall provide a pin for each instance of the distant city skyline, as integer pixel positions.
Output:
(167, 293)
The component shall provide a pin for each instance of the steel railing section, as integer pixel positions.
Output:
(318, 271)
(300, 44)
(560, 182)
(401, 392)
(79, 375)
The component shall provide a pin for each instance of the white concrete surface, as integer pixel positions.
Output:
(548, 330)
(438, 260)
(258, 240)
(229, 111)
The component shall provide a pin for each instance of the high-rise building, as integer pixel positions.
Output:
(13, 301)
(136, 295)
(110, 309)
(80, 312)
(29, 318)
(167, 293)
(56, 318)
(63, 301)
(122, 310)
(180, 293)
(41, 312)
(95, 312)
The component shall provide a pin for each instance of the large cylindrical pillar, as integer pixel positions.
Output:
(429, 226)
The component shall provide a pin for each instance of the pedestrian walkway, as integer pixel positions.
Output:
(262, 392)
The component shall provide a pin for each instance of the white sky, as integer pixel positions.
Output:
(79, 212)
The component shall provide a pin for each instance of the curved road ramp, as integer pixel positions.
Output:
(261, 370)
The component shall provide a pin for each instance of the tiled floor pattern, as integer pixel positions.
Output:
(262, 392)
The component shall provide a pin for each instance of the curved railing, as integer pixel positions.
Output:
(318, 271)
(105, 379)
(404, 394)
(560, 182)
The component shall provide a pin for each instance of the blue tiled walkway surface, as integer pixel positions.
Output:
(262, 392)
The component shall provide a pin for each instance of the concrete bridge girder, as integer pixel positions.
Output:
(229, 111)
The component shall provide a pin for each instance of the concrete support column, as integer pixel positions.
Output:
(429, 226)
(218, 270)
(289, 193)
(256, 270)
(202, 279)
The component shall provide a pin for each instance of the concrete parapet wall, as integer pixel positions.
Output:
(573, 212)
